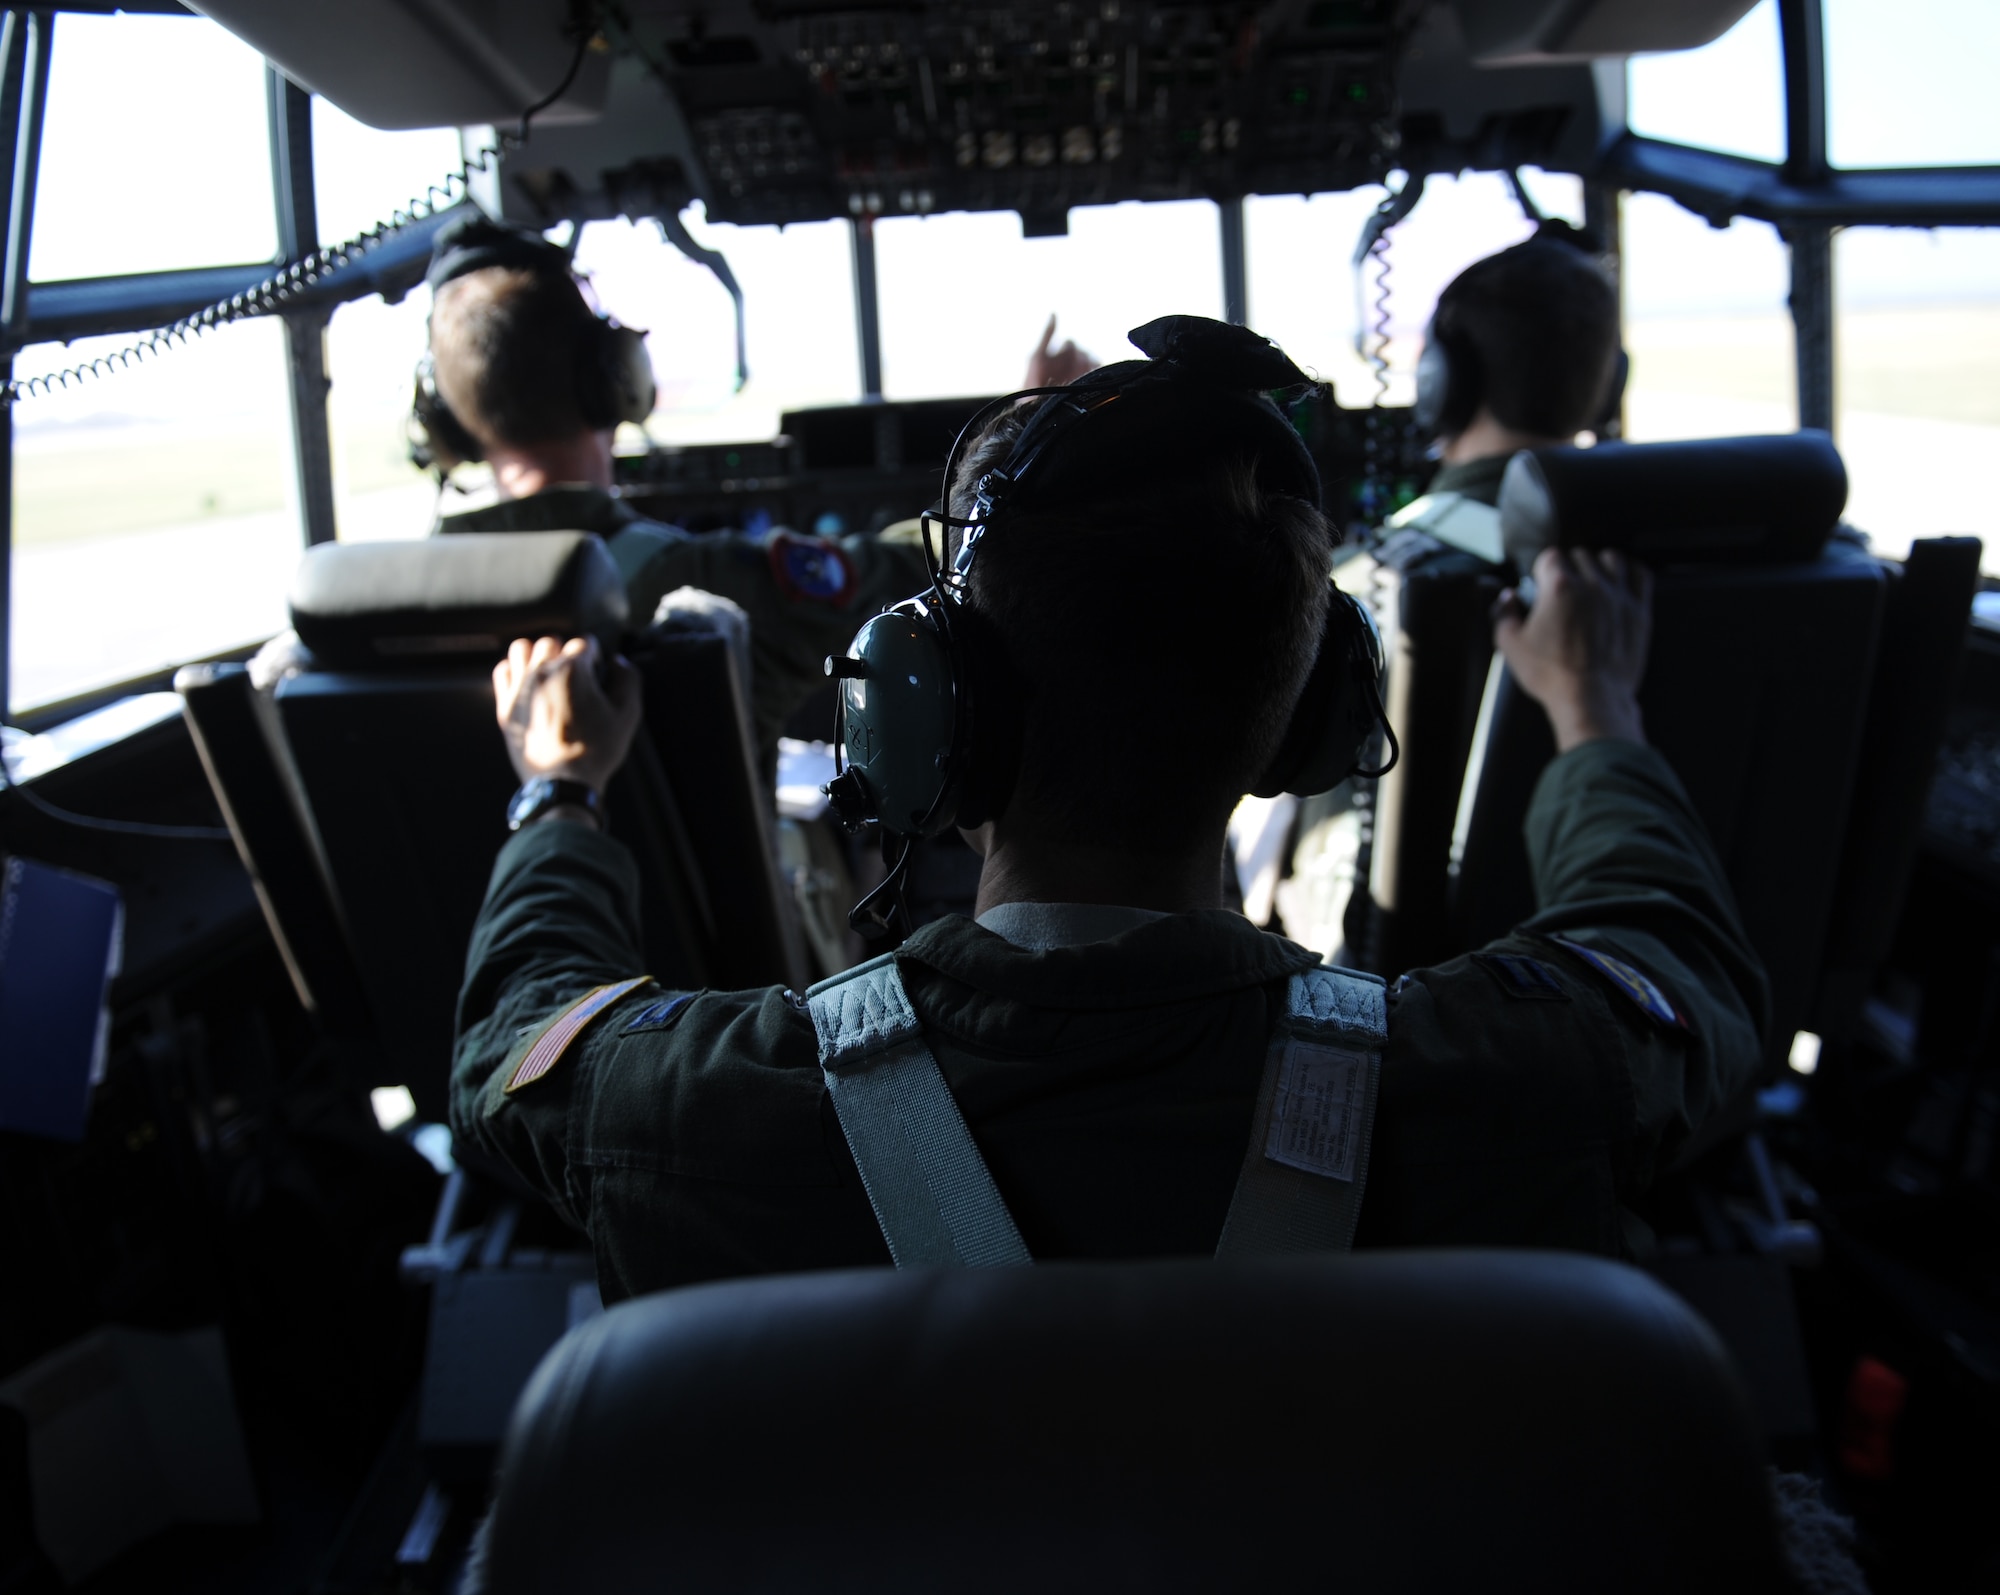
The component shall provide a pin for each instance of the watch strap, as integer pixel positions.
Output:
(537, 797)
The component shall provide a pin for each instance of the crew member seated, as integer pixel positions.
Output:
(1136, 608)
(523, 374)
(1521, 352)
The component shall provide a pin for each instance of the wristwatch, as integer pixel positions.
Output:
(538, 796)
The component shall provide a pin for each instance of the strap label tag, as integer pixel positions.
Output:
(1318, 1114)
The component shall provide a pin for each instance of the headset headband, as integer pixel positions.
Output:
(473, 242)
(1204, 386)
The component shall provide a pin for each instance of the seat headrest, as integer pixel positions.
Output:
(1427, 1420)
(1753, 500)
(458, 599)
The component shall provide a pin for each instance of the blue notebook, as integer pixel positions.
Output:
(60, 939)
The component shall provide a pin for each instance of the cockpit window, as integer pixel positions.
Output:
(1302, 286)
(360, 175)
(155, 133)
(1916, 344)
(1706, 325)
(1911, 84)
(1727, 96)
(965, 297)
(153, 514)
(798, 283)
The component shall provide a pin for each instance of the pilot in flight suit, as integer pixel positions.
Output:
(1521, 353)
(522, 373)
(1103, 1023)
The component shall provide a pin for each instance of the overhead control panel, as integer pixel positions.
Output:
(1034, 108)
(799, 110)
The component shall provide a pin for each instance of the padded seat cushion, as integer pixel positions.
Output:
(1716, 500)
(459, 599)
(1413, 1421)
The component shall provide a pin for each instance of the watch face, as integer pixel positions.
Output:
(533, 796)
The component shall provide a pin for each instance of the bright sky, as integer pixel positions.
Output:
(140, 174)
(156, 156)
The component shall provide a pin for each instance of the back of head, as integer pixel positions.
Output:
(1158, 607)
(508, 331)
(1532, 333)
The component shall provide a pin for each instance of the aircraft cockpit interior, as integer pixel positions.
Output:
(1427, 849)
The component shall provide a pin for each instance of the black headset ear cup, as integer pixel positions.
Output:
(1339, 709)
(1611, 411)
(437, 439)
(1448, 382)
(616, 381)
(1433, 384)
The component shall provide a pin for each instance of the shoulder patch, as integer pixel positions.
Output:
(1630, 983)
(812, 568)
(555, 1038)
(659, 1015)
(1526, 979)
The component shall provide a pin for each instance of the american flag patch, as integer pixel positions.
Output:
(549, 1047)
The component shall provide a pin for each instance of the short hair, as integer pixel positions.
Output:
(1540, 323)
(506, 343)
(1158, 634)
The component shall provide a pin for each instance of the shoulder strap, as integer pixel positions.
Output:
(633, 547)
(1307, 1164)
(930, 1188)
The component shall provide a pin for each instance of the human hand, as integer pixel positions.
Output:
(559, 721)
(1581, 652)
(1057, 368)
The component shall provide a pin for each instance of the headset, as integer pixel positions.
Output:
(614, 376)
(929, 724)
(1449, 381)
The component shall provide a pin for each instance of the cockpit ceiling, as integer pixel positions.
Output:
(797, 110)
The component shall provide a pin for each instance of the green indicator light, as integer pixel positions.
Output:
(732, 458)
(1300, 96)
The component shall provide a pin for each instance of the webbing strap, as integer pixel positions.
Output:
(930, 1188)
(1306, 1166)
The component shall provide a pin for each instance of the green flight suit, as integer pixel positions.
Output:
(1110, 1086)
(794, 624)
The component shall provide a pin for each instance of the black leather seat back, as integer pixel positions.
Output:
(1414, 1421)
(1759, 503)
(1922, 648)
(256, 783)
(1755, 691)
(370, 791)
(697, 714)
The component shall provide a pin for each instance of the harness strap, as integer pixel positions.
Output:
(1306, 1167)
(929, 1186)
(1303, 1174)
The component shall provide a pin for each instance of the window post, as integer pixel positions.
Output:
(1801, 26)
(25, 38)
(867, 307)
(305, 331)
(1235, 263)
(1603, 215)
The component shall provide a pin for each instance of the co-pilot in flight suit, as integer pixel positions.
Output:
(1527, 1091)
(805, 596)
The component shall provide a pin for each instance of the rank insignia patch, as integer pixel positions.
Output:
(811, 567)
(1528, 979)
(553, 1042)
(659, 1015)
(1630, 983)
